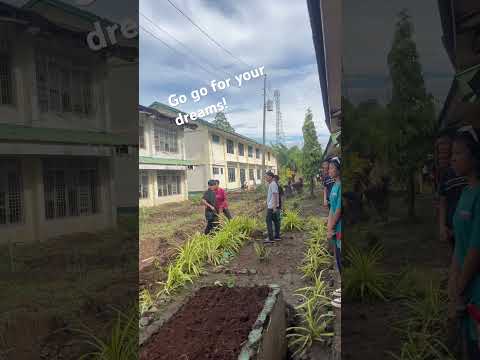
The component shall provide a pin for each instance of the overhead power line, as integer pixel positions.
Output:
(205, 61)
(208, 36)
(177, 51)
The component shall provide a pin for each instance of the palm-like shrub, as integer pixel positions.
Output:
(291, 221)
(363, 278)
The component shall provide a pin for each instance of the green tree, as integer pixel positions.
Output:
(312, 151)
(289, 160)
(295, 155)
(411, 109)
(222, 122)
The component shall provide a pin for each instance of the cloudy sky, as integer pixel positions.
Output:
(271, 33)
(275, 34)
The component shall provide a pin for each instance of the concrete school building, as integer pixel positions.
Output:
(163, 164)
(229, 157)
(57, 140)
(123, 69)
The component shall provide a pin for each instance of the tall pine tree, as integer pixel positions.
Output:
(312, 151)
(412, 114)
(222, 122)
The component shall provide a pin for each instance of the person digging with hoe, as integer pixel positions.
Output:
(273, 203)
(211, 210)
(222, 204)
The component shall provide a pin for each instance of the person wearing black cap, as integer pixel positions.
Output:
(211, 210)
(273, 204)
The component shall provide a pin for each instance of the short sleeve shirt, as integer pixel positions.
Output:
(336, 203)
(272, 189)
(328, 184)
(210, 197)
(466, 227)
(221, 198)
(451, 187)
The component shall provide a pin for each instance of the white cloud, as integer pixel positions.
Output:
(273, 33)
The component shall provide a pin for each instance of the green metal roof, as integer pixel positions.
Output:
(20, 133)
(161, 161)
(67, 8)
(170, 111)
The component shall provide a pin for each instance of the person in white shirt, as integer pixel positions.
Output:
(273, 204)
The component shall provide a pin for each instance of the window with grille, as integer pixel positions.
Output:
(6, 81)
(216, 139)
(231, 174)
(11, 193)
(257, 153)
(251, 174)
(241, 149)
(71, 188)
(166, 139)
(216, 170)
(141, 137)
(259, 174)
(250, 151)
(168, 184)
(230, 147)
(143, 185)
(63, 87)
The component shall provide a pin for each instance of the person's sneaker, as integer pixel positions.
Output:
(337, 293)
(268, 241)
(336, 303)
(278, 239)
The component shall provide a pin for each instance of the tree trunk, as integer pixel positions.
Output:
(411, 195)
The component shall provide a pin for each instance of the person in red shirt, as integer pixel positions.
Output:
(222, 200)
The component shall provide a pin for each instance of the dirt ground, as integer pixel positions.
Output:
(61, 285)
(367, 328)
(246, 270)
(216, 321)
(165, 227)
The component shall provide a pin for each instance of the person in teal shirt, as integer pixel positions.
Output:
(334, 225)
(466, 228)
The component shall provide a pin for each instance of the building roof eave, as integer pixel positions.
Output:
(162, 108)
(162, 161)
(21, 133)
(315, 13)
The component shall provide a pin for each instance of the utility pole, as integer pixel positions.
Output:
(264, 124)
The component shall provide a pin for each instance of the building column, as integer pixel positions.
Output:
(34, 199)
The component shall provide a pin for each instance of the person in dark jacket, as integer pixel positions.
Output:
(211, 209)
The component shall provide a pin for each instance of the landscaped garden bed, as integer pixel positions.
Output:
(220, 323)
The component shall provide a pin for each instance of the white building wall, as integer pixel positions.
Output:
(153, 198)
(201, 148)
(25, 111)
(35, 226)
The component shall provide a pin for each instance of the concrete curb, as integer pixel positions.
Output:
(266, 340)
